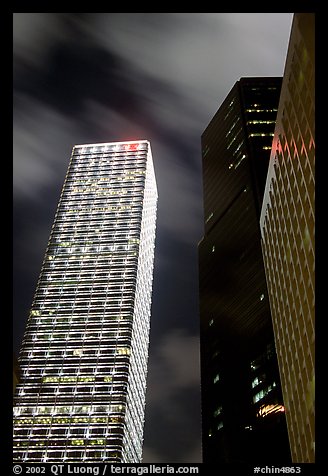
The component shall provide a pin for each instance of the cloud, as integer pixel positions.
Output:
(173, 395)
(43, 139)
(202, 54)
(198, 56)
(174, 365)
(191, 454)
(150, 455)
(34, 35)
(157, 75)
(180, 209)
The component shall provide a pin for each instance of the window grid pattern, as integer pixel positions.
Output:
(288, 240)
(85, 349)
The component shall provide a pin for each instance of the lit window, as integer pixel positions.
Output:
(77, 442)
(254, 365)
(206, 150)
(262, 393)
(124, 351)
(218, 411)
(258, 380)
(255, 382)
(258, 396)
(216, 378)
(35, 313)
(261, 134)
(78, 352)
(208, 218)
(240, 161)
(270, 409)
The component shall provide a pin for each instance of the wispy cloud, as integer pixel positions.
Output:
(40, 158)
(174, 379)
(174, 365)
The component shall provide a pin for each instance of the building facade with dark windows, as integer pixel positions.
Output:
(243, 414)
(83, 359)
(288, 237)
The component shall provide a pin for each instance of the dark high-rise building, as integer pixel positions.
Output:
(83, 359)
(288, 237)
(243, 417)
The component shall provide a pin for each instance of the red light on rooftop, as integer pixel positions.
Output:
(132, 146)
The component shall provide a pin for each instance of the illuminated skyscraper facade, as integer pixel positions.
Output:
(288, 237)
(243, 418)
(83, 358)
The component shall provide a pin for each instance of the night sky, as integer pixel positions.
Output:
(102, 77)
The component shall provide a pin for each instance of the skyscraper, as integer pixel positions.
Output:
(243, 416)
(83, 358)
(288, 227)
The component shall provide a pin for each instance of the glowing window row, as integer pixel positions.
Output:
(64, 420)
(119, 178)
(98, 203)
(81, 306)
(261, 134)
(88, 324)
(35, 456)
(84, 282)
(102, 167)
(119, 222)
(98, 172)
(111, 247)
(264, 392)
(100, 164)
(261, 122)
(126, 148)
(88, 339)
(74, 410)
(61, 263)
(106, 348)
(100, 193)
(90, 207)
(261, 110)
(117, 392)
(65, 442)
